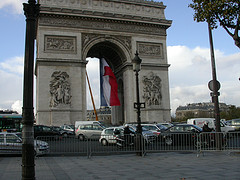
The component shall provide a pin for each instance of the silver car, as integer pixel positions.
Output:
(88, 131)
(11, 143)
(108, 136)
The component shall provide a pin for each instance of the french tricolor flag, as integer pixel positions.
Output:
(109, 86)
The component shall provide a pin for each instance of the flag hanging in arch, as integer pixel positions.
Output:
(108, 85)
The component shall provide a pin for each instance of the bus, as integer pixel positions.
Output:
(10, 122)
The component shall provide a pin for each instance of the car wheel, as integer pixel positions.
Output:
(169, 141)
(81, 137)
(104, 142)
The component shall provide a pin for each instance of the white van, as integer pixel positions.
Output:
(200, 122)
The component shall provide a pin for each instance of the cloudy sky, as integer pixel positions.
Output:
(188, 55)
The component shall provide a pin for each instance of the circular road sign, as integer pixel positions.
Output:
(210, 85)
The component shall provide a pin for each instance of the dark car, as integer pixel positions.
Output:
(181, 134)
(63, 132)
(155, 128)
(42, 130)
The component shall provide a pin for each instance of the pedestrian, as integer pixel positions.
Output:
(205, 127)
(127, 133)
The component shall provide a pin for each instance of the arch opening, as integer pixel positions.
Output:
(115, 57)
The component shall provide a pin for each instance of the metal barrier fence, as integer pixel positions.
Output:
(110, 144)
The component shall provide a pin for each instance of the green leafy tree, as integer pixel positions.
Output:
(219, 12)
(232, 113)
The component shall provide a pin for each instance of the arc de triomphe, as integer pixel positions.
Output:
(69, 31)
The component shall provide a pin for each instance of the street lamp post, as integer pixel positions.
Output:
(214, 83)
(136, 68)
(214, 86)
(31, 11)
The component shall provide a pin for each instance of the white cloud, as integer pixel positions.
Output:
(15, 6)
(191, 70)
(13, 65)
(11, 82)
(17, 106)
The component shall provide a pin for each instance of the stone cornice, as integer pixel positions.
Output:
(106, 15)
(143, 8)
(54, 61)
(102, 24)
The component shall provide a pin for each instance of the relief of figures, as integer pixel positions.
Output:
(62, 43)
(152, 89)
(60, 89)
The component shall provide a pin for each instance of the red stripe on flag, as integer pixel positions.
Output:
(114, 100)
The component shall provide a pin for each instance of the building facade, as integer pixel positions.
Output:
(205, 109)
(70, 31)
(104, 115)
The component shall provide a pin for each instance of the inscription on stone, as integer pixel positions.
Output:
(150, 49)
(60, 44)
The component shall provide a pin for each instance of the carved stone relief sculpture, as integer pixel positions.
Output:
(61, 44)
(60, 89)
(152, 89)
(150, 49)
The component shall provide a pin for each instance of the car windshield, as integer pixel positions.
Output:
(236, 122)
(135, 128)
(72, 126)
(57, 128)
(198, 128)
(161, 127)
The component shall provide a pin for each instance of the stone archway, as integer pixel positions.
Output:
(115, 50)
(70, 31)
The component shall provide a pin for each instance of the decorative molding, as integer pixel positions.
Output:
(152, 89)
(87, 38)
(60, 44)
(100, 24)
(149, 9)
(150, 49)
(60, 90)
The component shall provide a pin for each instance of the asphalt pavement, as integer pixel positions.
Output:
(166, 165)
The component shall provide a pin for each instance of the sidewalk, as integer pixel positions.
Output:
(167, 165)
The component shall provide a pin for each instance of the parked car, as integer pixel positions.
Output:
(61, 131)
(235, 123)
(100, 123)
(168, 125)
(181, 134)
(68, 128)
(148, 136)
(11, 143)
(108, 135)
(89, 131)
(155, 128)
(42, 130)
